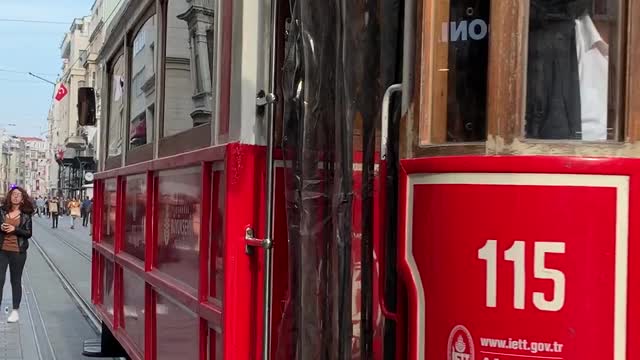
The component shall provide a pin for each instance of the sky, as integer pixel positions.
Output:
(32, 47)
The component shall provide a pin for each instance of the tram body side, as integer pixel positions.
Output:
(170, 274)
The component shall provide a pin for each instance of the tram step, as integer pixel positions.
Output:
(106, 346)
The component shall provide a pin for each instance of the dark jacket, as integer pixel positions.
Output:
(23, 231)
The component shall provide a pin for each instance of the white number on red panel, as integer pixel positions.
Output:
(516, 255)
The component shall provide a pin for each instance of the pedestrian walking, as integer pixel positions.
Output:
(16, 230)
(74, 211)
(85, 210)
(46, 206)
(40, 206)
(54, 210)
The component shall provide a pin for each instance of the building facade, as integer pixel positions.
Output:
(36, 166)
(24, 162)
(74, 148)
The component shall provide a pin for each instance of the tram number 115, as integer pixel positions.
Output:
(516, 255)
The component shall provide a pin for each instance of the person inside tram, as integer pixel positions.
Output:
(16, 230)
(54, 209)
(567, 73)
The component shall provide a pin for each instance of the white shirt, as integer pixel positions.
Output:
(593, 67)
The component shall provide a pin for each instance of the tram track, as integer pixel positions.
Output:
(83, 305)
(72, 246)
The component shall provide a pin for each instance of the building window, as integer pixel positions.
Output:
(188, 66)
(143, 94)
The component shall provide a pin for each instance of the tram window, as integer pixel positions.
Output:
(116, 107)
(457, 66)
(188, 66)
(177, 331)
(143, 90)
(109, 212)
(135, 209)
(133, 307)
(178, 224)
(108, 275)
(572, 67)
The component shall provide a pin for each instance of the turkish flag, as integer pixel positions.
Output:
(62, 92)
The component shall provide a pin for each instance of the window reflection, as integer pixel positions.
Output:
(143, 87)
(133, 307)
(177, 331)
(109, 212)
(116, 108)
(188, 65)
(135, 215)
(569, 68)
(107, 286)
(178, 254)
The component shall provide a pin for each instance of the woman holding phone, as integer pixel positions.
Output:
(15, 229)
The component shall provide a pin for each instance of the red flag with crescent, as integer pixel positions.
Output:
(62, 92)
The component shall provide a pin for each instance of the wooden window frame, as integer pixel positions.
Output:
(506, 90)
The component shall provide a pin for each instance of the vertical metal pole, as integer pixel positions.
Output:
(268, 251)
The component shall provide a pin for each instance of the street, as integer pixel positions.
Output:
(51, 326)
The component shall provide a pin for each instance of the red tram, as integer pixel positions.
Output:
(388, 179)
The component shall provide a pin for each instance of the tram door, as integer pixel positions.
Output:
(519, 165)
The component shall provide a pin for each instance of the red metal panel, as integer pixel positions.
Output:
(536, 199)
(150, 323)
(148, 226)
(96, 216)
(202, 341)
(242, 321)
(213, 153)
(95, 263)
(120, 213)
